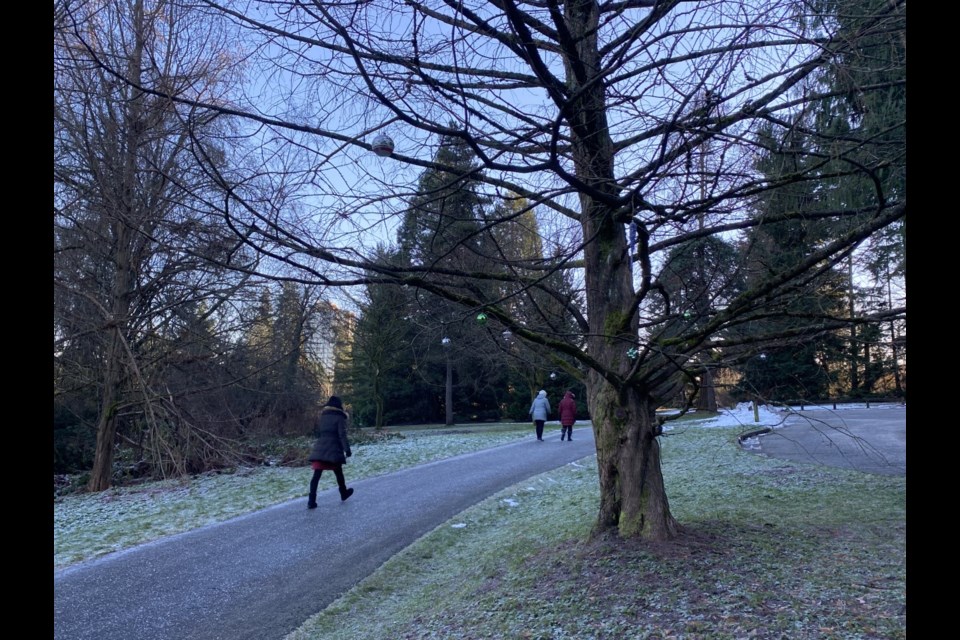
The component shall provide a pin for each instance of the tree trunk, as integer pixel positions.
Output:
(893, 342)
(632, 494)
(707, 399)
(101, 475)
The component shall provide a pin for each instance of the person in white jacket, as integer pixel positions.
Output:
(540, 410)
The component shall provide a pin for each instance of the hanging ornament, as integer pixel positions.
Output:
(382, 145)
(632, 353)
(687, 315)
(553, 376)
(445, 341)
(507, 335)
(481, 318)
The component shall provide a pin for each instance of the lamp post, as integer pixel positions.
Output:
(756, 407)
(448, 386)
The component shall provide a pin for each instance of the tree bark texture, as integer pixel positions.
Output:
(632, 494)
(101, 474)
(707, 400)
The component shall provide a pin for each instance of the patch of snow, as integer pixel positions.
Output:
(510, 502)
(742, 415)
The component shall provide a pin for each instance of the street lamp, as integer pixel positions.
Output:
(382, 145)
(756, 407)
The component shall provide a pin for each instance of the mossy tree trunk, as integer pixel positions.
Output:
(633, 498)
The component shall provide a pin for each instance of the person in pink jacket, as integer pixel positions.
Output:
(568, 415)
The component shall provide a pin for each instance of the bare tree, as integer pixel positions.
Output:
(594, 113)
(137, 259)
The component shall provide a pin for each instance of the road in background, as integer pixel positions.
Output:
(872, 440)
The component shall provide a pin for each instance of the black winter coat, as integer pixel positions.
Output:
(331, 431)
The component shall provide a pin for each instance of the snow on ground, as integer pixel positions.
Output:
(743, 416)
(775, 417)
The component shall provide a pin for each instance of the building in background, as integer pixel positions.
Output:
(331, 342)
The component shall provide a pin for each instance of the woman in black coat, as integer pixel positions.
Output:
(331, 449)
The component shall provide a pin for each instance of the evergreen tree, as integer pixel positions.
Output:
(862, 125)
(540, 296)
(698, 278)
(441, 230)
(800, 368)
(380, 360)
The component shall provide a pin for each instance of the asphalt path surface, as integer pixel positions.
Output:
(260, 576)
(870, 440)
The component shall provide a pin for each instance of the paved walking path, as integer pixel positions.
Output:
(870, 440)
(260, 576)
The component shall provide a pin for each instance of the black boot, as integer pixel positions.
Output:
(314, 483)
(345, 493)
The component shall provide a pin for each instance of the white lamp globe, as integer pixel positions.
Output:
(382, 145)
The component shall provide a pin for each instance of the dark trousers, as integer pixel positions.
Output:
(539, 424)
(315, 480)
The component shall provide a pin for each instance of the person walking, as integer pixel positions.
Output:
(331, 449)
(567, 410)
(540, 409)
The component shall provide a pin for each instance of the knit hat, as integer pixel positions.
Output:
(334, 401)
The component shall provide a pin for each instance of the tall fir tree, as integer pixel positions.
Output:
(862, 126)
(698, 278)
(798, 367)
(441, 229)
